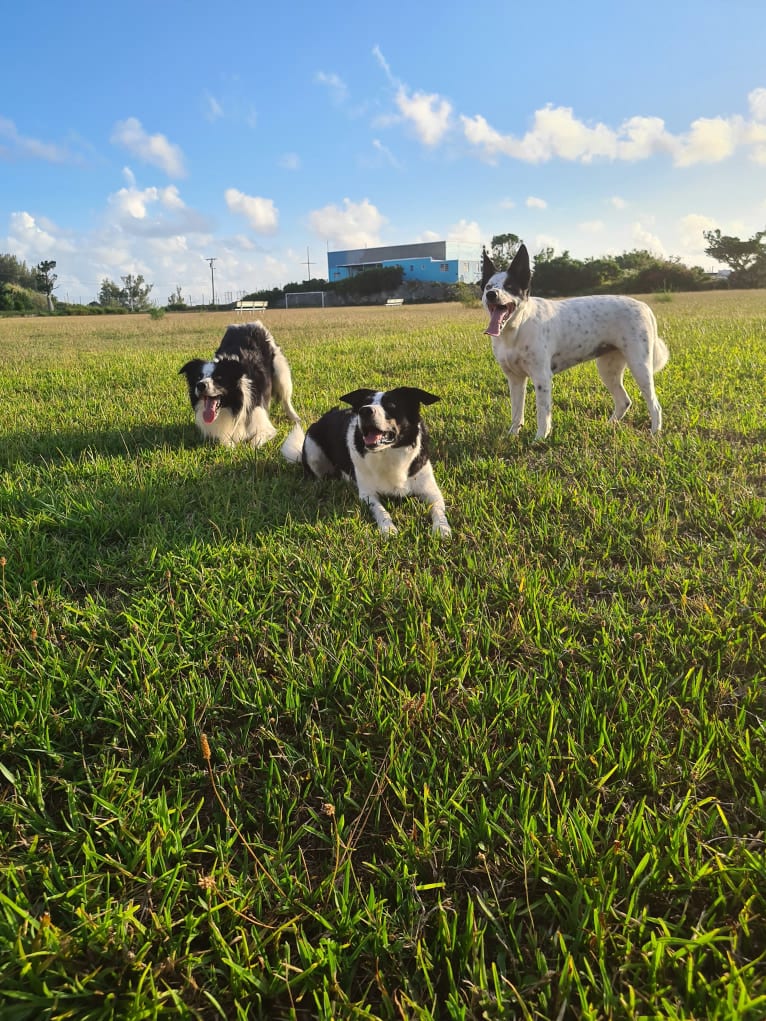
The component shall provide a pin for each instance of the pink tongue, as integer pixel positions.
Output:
(495, 321)
(210, 410)
(371, 438)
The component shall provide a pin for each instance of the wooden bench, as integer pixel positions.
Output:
(394, 301)
(243, 307)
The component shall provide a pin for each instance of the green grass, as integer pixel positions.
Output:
(257, 762)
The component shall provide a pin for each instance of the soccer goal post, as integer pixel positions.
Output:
(304, 299)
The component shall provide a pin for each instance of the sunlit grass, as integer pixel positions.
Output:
(519, 774)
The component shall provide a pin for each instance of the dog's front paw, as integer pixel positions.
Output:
(442, 529)
(388, 528)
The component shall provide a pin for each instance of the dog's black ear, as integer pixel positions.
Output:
(358, 398)
(519, 274)
(414, 393)
(487, 268)
(191, 368)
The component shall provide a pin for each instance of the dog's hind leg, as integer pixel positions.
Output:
(544, 404)
(611, 369)
(644, 376)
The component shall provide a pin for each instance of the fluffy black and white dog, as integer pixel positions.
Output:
(535, 338)
(231, 393)
(381, 444)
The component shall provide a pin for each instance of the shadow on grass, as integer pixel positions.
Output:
(99, 506)
(72, 444)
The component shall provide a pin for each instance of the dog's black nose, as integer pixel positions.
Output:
(491, 295)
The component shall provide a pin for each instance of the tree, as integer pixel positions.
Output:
(110, 294)
(45, 280)
(133, 295)
(746, 259)
(14, 272)
(557, 275)
(176, 299)
(504, 247)
(136, 292)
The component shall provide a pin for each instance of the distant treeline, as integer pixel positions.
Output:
(369, 282)
(636, 272)
(25, 290)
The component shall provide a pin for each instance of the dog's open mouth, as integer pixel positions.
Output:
(374, 438)
(498, 317)
(210, 411)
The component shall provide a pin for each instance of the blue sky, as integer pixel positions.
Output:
(150, 137)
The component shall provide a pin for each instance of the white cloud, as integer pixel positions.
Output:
(213, 110)
(691, 229)
(356, 225)
(479, 133)
(535, 203)
(429, 114)
(709, 140)
(757, 102)
(152, 212)
(617, 202)
(31, 240)
(376, 52)
(334, 84)
(260, 213)
(135, 202)
(638, 138)
(592, 226)
(290, 161)
(466, 232)
(545, 241)
(171, 198)
(386, 153)
(155, 150)
(644, 239)
(17, 146)
(556, 133)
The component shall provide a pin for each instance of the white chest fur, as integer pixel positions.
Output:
(385, 471)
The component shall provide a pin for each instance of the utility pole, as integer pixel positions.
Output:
(309, 264)
(212, 277)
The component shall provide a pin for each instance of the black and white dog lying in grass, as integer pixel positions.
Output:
(535, 338)
(381, 444)
(231, 393)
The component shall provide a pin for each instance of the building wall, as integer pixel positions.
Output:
(443, 262)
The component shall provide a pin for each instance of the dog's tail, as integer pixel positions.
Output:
(292, 448)
(661, 354)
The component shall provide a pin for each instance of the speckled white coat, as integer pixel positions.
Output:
(542, 338)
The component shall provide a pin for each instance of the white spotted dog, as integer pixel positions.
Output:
(381, 444)
(533, 338)
(231, 393)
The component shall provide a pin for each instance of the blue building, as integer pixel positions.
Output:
(443, 262)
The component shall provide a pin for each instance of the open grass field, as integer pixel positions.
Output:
(258, 762)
